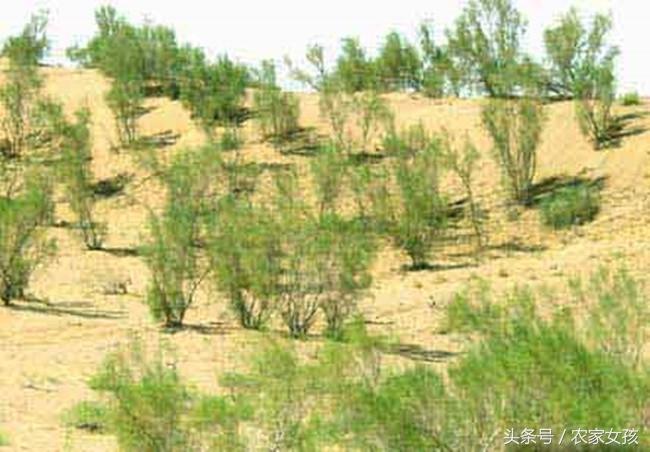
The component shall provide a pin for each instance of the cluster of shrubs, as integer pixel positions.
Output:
(59, 152)
(147, 60)
(473, 59)
(564, 371)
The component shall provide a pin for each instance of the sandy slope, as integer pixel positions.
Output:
(47, 352)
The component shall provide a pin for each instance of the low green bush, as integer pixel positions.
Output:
(149, 408)
(570, 206)
(86, 415)
(631, 99)
(523, 370)
(244, 253)
(532, 370)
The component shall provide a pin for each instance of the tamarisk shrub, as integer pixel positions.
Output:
(20, 91)
(245, 255)
(23, 246)
(419, 215)
(72, 140)
(515, 127)
(277, 111)
(171, 253)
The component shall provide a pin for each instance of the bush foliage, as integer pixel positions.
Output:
(23, 245)
(172, 253)
(20, 92)
(515, 127)
(524, 369)
(277, 112)
(570, 206)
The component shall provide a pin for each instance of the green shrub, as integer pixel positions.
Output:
(118, 53)
(23, 246)
(419, 216)
(3, 440)
(149, 408)
(345, 262)
(125, 99)
(463, 164)
(172, 253)
(279, 390)
(147, 401)
(353, 67)
(583, 64)
(570, 206)
(91, 416)
(277, 112)
(158, 59)
(328, 170)
(230, 139)
(407, 141)
(631, 99)
(21, 88)
(618, 321)
(73, 142)
(485, 43)
(398, 64)
(372, 112)
(515, 127)
(574, 385)
(301, 285)
(244, 253)
(213, 92)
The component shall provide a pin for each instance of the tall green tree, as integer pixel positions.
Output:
(354, 68)
(20, 93)
(398, 64)
(582, 65)
(486, 42)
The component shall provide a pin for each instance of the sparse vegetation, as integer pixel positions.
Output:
(235, 236)
(86, 415)
(347, 397)
(149, 408)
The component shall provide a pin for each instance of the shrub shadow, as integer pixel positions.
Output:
(80, 309)
(111, 186)
(158, 140)
(541, 190)
(205, 329)
(622, 128)
(418, 353)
